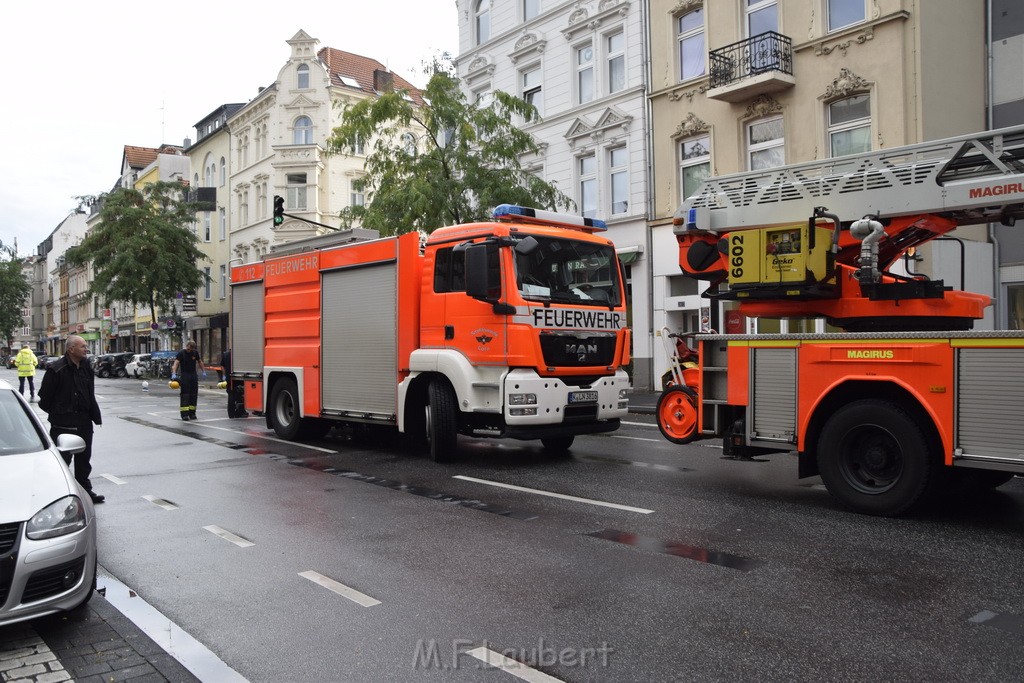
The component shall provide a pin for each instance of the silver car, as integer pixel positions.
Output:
(47, 521)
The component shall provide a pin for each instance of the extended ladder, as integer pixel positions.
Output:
(971, 179)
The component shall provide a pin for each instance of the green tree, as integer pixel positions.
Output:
(467, 160)
(14, 289)
(144, 250)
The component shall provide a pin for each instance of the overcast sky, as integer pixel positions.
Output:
(84, 79)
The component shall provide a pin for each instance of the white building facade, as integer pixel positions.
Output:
(581, 64)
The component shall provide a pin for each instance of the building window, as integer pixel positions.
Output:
(766, 144)
(223, 172)
(243, 207)
(483, 21)
(843, 13)
(209, 172)
(690, 37)
(585, 73)
(303, 74)
(615, 45)
(357, 198)
(618, 180)
(261, 201)
(531, 8)
(409, 144)
(532, 92)
(222, 216)
(587, 168)
(762, 16)
(303, 133)
(359, 145)
(296, 193)
(223, 281)
(694, 163)
(849, 125)
(207, 226)
(207, 289)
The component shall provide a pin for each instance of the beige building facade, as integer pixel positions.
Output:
(740, 85)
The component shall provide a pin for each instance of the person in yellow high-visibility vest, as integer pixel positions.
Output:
(26, 363)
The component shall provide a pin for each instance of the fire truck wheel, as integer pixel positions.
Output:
(558, 444)
(442, 421)
(677, 414)
(874, 458)
(284, 409)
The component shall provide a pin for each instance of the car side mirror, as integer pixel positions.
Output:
(69, 444)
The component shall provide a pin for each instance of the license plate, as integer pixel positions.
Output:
(582, 397)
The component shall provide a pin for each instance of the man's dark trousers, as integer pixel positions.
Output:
(189, 394)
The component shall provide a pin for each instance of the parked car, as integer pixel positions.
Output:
(138, 366)
(47, 521)
(112, 364)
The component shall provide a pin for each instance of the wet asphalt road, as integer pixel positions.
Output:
(352, 559)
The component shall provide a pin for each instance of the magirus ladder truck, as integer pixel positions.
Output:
(905, 399)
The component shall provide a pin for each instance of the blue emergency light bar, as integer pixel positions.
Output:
(568, 220)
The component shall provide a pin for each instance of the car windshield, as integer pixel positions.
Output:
(18, 432)
(567, 271)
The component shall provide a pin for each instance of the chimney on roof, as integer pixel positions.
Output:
(383, 81)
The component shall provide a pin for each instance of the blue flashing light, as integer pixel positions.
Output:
(567, 220)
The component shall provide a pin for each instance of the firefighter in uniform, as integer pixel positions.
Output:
(190, 365)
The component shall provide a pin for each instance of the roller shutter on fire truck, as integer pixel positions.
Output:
(360, 366)
(247, 327)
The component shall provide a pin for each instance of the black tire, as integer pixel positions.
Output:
(283, 411)
(677, 414)
(104, 373)
(121, 372)
(875, 459)
(558, 444)
(442, 421)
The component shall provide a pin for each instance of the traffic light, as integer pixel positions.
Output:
(278, 209)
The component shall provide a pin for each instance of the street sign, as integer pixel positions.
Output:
(170, 323)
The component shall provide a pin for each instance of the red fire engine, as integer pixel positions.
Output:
(510, 328)
(904, 399)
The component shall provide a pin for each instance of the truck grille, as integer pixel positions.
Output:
(577, 351)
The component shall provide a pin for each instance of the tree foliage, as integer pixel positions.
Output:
(144, 250)
(467, 161)
(14, 290)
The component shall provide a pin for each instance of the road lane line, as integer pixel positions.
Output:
(639, 424)
(165, 504)
(228, 536)
(268, 438)
(224, 429)
(563, 496)
(636, 438)
(192, 654)
(511, 666)
(340, 588)
(112, 478)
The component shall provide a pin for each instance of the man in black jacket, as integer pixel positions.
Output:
(68, 396)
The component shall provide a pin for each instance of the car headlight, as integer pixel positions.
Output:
(62, 517)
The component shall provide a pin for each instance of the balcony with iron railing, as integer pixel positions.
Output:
(751, 67)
